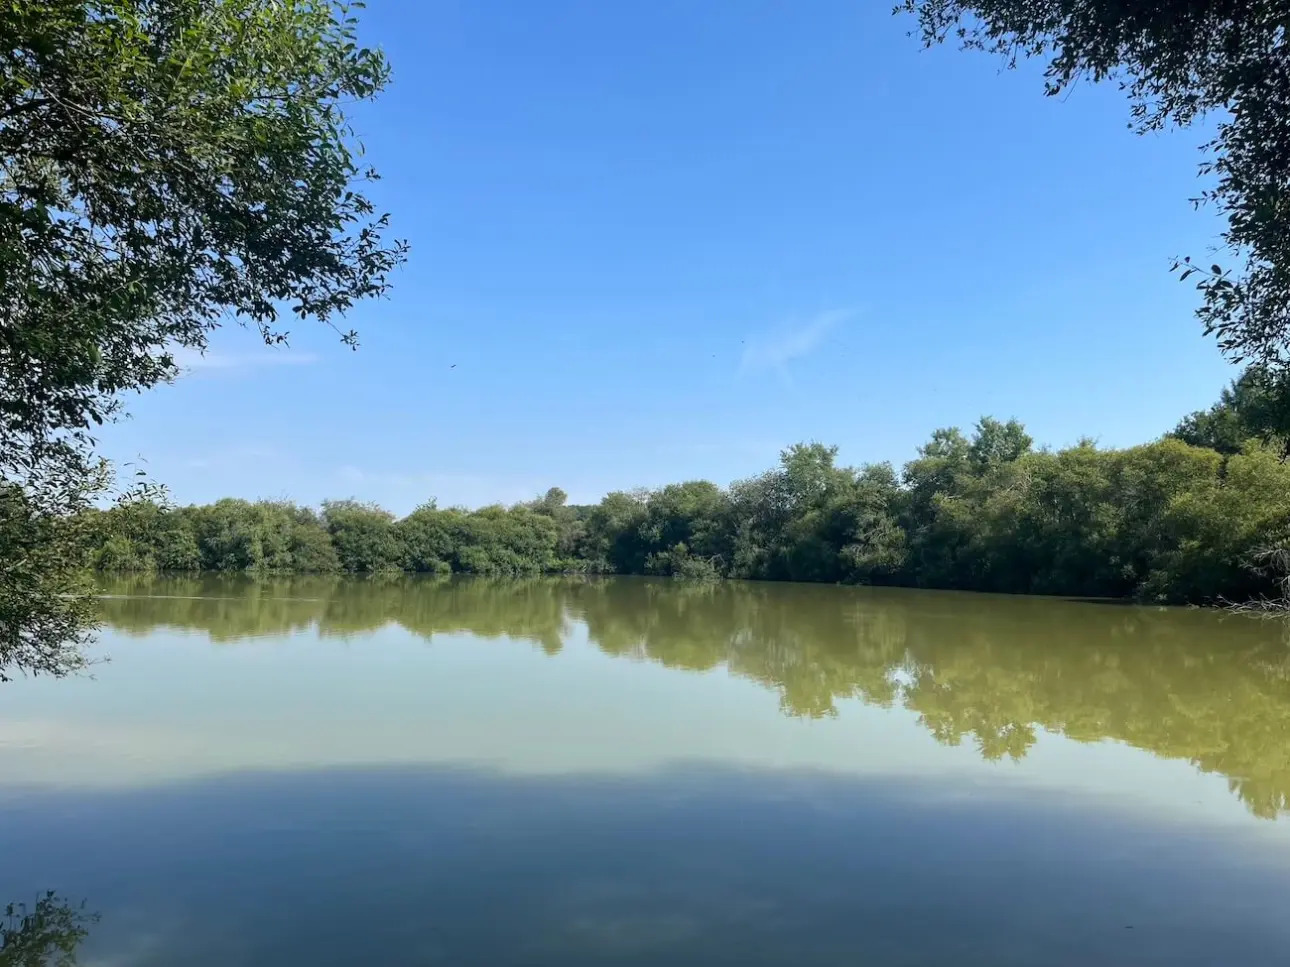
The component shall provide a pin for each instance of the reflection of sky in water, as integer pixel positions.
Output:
(386, 799)
(415, 865)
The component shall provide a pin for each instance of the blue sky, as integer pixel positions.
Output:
(656, 241)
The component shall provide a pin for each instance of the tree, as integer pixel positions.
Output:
(685, 529)
(45, 610)
(612, 542)
(1255, 407)
(363, 535)
(1167, 521)
(551, 503)
(876, 548)
(311, 549)
(935, 514)
(787, 526)
(429, 539)
(230, 537)
(169, 164)
(1178, 61)
(496, 540)
(996, 443)
(165, 166)
(45, 935)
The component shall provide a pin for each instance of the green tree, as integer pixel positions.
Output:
(571, 524)
(876, 547)
(996, 443)
(937, 512)
(45, 610)
(1166, 521)
(230, 536)
(47, 934)
(551, 503)
(165, 165)
(311, 549)
(175, 546)
(500, 541)
(684, 530)
(1219, 531)
(363, 535)
(429, 538)
(1255, 407)
(612, 542)
(169, 164)
(787, 526)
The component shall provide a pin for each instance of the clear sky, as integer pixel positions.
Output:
(656, 241)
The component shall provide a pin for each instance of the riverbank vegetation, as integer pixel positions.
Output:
(1193, 517)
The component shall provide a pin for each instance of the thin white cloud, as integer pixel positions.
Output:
(775, 350)
(191, 361)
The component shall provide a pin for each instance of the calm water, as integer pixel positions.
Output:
(327, 772)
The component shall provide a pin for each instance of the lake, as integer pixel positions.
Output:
(558, 772)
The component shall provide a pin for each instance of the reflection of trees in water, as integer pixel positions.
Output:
(230, 608)
(44, 935)
(987, 670)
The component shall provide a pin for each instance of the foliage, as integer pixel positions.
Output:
(1166, 521)
(1255, 407)
(1178, 61)
(169, 164)
(45, 612)
(165, 166)
(47, 935)
(363, 535)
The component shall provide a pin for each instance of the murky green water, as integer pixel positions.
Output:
(328, 772)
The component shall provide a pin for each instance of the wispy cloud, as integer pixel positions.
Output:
(191, 361)
(775, 350)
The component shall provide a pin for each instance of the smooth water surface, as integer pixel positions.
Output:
(398, 772)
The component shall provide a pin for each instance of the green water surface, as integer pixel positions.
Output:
(401, 772)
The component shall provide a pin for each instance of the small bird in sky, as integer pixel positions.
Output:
(453, 366)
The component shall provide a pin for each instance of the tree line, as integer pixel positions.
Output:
(992, 674)
(1199, 516)
(168, 165)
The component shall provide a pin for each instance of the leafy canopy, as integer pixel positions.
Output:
(1255, 407)
(165, 166)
